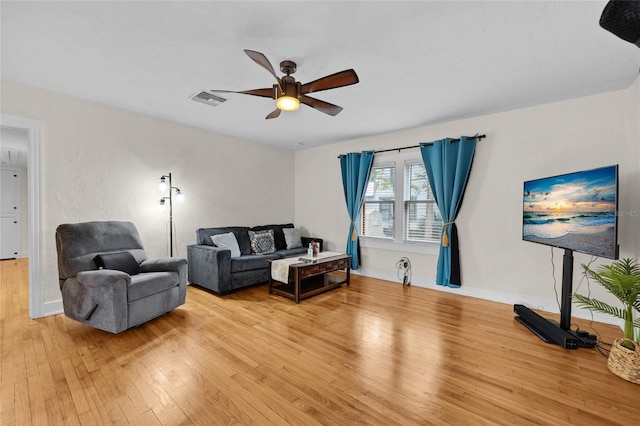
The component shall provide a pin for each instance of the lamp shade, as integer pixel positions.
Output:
(162, 184)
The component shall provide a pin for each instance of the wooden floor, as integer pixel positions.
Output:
(374, 353)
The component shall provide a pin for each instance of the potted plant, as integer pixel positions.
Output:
(622, 279)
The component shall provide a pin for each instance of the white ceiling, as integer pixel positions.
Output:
(419, 62)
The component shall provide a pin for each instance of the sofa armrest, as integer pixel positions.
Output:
(307, 240)
(169, 264)
(210, 267)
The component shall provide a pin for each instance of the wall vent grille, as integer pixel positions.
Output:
(208, 98)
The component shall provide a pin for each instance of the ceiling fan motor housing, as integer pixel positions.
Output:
(290, 87)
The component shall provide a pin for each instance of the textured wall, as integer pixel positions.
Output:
(522, 144)
(103, 163)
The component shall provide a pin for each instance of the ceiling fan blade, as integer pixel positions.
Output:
(321, 106)
(273, 114)
(265, 93)
(262, 60)
(339, 79)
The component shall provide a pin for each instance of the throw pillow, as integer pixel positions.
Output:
(227, 241)
(262, 242)
(278, 236)
(119, 261)
(292, 237)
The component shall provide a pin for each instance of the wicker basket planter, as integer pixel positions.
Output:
(625, 363)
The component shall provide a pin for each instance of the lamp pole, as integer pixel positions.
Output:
(163, 185)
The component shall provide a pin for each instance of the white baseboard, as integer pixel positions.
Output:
(543, 304)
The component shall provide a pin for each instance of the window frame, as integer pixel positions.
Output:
(398, 242)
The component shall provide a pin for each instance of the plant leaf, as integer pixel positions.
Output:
(598, 306)
(621, 278)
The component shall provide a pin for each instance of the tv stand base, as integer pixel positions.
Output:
(549, 331)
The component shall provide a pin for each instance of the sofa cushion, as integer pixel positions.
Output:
(119, 261)
(227, 241)
(148, 283)
(278, 235)
(262, 242)
(292, 237)
(252, 262)
(242, 236)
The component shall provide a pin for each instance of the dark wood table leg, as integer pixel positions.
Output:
(297, 285)
(348, 275)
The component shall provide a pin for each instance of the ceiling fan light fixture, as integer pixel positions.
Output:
(287, 103)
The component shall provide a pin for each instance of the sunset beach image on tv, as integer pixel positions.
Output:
(575, 211)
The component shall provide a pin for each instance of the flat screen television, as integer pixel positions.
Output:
(575, 211)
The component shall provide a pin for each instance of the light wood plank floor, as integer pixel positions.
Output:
(375, 353)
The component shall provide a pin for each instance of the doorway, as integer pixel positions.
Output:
(32, 130)
(13, 193)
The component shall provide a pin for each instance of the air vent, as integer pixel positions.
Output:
(208, 98)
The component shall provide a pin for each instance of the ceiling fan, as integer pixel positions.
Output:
(289, 93)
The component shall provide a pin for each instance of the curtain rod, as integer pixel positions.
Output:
(418, 146)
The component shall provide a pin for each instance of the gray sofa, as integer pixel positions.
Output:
(106, 280)
(213, 267)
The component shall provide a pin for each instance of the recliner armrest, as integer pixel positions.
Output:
(98, 298)
(162, 264)
(102, 277)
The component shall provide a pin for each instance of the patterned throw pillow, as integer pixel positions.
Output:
(262, 242)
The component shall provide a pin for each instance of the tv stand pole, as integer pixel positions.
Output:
(567, 290)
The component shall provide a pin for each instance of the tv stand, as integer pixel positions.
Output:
(548, 330)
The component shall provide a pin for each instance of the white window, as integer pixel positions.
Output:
(422, 221)
(399, 206)
(378, 210)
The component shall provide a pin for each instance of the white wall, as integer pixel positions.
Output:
(523, 144)
(103, 163)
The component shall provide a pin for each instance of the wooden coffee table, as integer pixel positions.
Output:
(308, 278)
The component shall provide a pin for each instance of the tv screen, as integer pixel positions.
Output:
(575, 211)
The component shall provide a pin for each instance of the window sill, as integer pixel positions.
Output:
(402, 246)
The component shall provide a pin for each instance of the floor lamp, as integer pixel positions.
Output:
(163, 185)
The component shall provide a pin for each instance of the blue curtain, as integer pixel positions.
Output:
(448, 163)
(356, 169)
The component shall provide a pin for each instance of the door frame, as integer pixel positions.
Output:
(34, 194)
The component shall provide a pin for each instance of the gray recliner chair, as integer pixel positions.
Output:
(106, 280)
